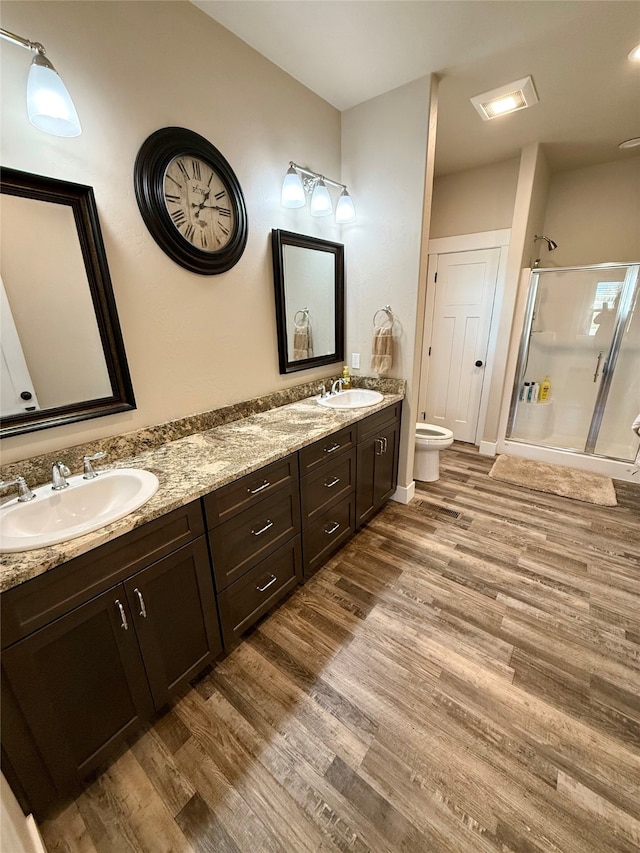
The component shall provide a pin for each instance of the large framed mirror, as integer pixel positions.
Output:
(63, 357)
(309, 289)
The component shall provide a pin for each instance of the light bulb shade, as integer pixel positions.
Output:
(49, 105)
(320, 200)
(345, 211)
(292, 190)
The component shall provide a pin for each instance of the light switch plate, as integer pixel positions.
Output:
(355, 360)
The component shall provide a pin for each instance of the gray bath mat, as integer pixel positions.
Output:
(556, 479)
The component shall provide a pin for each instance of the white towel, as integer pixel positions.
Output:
(382, 350)
(635, 426)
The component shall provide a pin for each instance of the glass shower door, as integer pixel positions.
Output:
(576, 321)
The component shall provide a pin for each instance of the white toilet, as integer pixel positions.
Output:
(430, 440)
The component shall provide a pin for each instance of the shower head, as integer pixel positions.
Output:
(551, 244)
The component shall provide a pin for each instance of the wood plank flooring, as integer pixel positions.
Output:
(463, 676)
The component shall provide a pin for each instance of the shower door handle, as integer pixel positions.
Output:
(599, 359)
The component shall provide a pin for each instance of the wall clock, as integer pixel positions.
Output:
(191, 200)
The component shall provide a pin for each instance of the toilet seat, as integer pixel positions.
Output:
(430, 435)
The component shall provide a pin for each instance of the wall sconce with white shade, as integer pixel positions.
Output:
(299, 182)
(49, 105)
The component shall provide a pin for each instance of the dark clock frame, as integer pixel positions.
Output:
(153, 158)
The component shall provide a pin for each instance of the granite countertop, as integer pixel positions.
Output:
(195, 465)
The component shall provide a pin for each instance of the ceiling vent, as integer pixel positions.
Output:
(506, 99)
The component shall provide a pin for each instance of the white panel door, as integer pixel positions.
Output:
(15, 380)
(464, 293)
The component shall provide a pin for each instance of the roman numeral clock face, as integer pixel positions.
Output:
(190, 200)
(198, 203)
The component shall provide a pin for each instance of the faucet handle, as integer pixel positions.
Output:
(89, 473)
(24, 492)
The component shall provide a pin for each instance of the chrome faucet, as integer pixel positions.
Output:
(339, 382)
(89, 473)
(59, 474)
(24, 492)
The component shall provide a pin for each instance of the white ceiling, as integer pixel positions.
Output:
(348, 51)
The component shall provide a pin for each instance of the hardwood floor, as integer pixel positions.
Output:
(463, 676)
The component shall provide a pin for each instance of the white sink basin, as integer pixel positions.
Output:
(54, 517)
(354, 398)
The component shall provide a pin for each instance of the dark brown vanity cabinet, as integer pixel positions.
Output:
(327, 488)
(378, 445)
(102, 660)
(254, 534)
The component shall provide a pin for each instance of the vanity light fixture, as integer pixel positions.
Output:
(634, 54)
(299, 181)
(630, 143)
(506, 99)
(49, 105)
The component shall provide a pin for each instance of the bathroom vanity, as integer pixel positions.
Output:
(95, 644)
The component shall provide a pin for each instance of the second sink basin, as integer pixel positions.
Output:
(85, 505)
(354, 398)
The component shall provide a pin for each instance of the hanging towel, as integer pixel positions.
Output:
(635, 426)
(302, 343)
(382, 350)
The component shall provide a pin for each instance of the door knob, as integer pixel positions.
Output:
(26, 395)
(478, 363)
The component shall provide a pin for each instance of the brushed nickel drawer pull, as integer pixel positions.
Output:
(265, 485)
(263, 529)
(143, 609)
(123, 618)
(379, 446)
(268, 584)
(332, 449)
(331, 530)
(384, 444)
(333, 483)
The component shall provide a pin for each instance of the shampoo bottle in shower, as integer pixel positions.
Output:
(545, 390)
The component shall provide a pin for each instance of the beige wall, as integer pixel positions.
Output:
(193, 342)
(384, 143)
(474, 200)
(593, 214)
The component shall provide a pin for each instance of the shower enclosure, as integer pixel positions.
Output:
(582, 331)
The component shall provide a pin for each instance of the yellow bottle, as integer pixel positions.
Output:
(545, 390)
(346, 378)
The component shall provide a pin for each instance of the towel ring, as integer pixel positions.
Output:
(390, 319)
(305, 316)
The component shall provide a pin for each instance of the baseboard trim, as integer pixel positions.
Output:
(488, 448)
(404, 494)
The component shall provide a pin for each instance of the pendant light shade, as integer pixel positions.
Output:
(292, 190)
(345, 211)
(320, 200)
(49, 105)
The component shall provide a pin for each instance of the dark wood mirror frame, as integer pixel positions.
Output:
(280, 239)
(81, 200)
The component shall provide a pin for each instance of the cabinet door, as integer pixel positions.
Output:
(386, 465)
(80, 685)
(175, 616)
(377, 471)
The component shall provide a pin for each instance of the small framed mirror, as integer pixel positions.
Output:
(309, 289)
(63, 357)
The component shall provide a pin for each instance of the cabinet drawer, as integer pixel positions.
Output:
(240, 543)
(244, 493)
(245, 601)
(327, 534)
(375, 422)
(33, 604)
(330, 447)
(332, 481)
